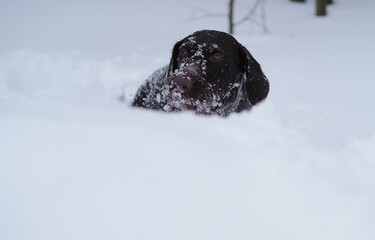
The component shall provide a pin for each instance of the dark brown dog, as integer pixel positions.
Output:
(209, 73)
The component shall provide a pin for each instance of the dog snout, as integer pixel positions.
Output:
(184, 84)
(187, 79)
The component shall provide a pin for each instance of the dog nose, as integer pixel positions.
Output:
(184, 84)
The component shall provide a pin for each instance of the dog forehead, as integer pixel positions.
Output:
(209, 39)
(191, 43)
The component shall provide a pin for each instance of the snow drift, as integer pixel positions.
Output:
(76, 162)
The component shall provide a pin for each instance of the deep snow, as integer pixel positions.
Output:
(76, 162)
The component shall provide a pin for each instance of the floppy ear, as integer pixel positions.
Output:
(173, 62)
(256, 83)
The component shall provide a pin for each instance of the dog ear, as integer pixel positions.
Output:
(174, 58)
(256, 83)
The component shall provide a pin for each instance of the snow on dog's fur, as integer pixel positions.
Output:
(209, 73)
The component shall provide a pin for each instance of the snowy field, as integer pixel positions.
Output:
(77, 162)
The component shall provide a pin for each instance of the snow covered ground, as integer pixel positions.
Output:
(76, 162)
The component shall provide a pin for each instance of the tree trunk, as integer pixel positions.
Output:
(230, 15)
(321, 7)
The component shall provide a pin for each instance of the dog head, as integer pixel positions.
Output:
(210, 72)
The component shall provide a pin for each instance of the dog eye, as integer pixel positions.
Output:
(184, 52)
(217, 57)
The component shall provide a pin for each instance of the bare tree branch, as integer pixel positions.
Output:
(321, 7)
(263, 16)
(199, 13)
(230, 16)
(249, 16)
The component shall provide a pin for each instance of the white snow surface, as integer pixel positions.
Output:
(77, 162)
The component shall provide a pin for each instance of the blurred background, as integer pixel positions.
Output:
(77, 162)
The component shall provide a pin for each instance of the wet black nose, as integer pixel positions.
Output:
(184, 84)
